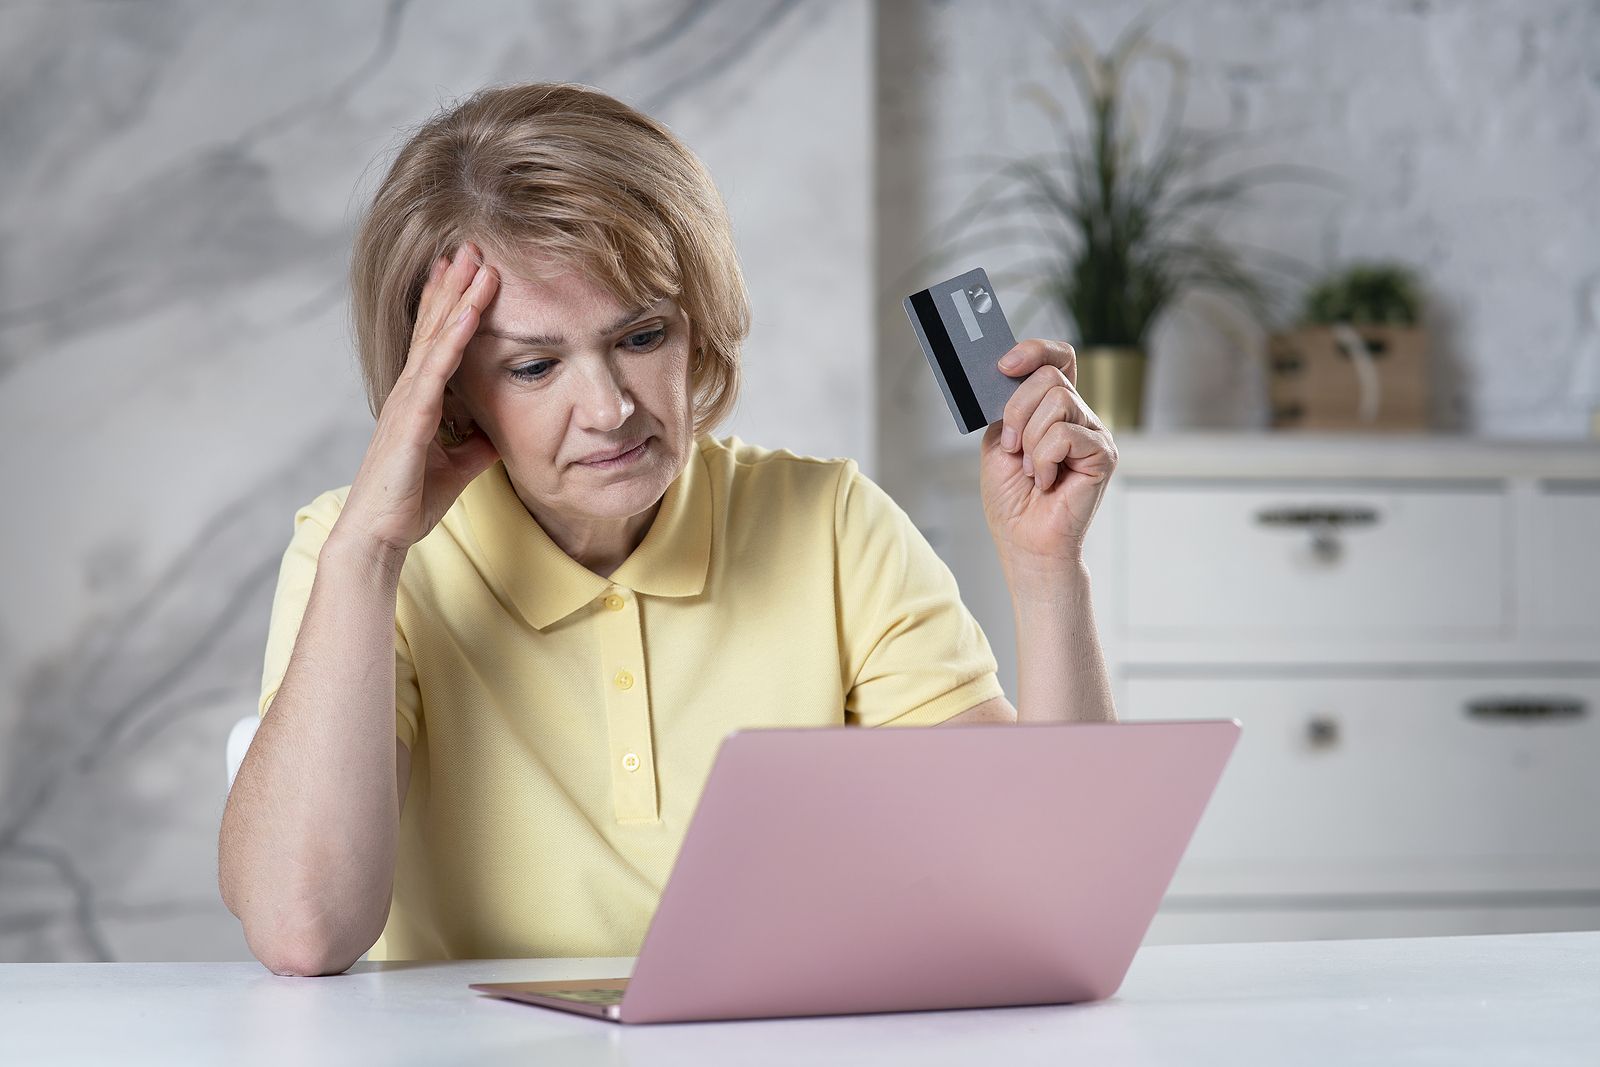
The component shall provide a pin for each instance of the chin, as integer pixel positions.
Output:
(623, 499)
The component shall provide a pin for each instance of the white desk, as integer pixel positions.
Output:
(1493, 999)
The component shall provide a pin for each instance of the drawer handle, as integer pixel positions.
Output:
(1527, 710)
(1317, 518)
(1323, 524)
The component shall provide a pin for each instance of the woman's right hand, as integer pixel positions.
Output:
(410, 477)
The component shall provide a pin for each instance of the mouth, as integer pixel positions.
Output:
(620, 460)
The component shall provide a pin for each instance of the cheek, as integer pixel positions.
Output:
(673, 392)
(673, 386)
(518, 420)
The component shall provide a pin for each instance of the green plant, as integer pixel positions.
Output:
(1370, 293)
(1127, 231)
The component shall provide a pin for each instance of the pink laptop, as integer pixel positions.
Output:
(840, 870)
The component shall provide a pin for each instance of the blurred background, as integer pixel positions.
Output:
(1332, 273)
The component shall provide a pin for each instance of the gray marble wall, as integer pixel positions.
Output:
(179, 185)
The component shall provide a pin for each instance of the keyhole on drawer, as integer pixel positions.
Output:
(1325, 544)
(1322, 731)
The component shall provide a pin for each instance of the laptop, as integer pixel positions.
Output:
(840, 870)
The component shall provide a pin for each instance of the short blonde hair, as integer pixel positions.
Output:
(557, 170)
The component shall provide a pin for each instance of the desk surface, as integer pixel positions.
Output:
(1494, 999)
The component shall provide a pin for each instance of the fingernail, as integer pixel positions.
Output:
(1009, 360)
(1008, 439)
(1027, 466)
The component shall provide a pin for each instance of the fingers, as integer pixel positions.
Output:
(1057, 406)
(1029, 355)
(1070, 446)
(441, 358)
(1060, 407)
(428, 313)
(449, 280)
(1047, 364)
(456, 291)
(1045, 419)
(1024, 402)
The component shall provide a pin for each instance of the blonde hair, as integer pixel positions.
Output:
(564, 171)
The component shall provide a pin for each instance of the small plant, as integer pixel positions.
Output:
(1128, 230)
(1381, 294)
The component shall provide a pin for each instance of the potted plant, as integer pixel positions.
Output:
(1130, 225)
(1359, 358)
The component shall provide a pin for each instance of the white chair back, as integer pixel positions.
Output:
(239, 740)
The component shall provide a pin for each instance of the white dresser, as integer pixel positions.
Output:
(1408, 629)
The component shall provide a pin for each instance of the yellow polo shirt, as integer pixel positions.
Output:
(562, 724)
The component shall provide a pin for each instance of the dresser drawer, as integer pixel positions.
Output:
(1268, 563)
(1394, 784)
(1565, 535)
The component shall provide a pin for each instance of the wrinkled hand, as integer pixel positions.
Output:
(413, 471)
(1045, 464)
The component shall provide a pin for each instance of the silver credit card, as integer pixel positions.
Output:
(964, 333)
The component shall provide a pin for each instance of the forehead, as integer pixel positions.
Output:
(539, 296)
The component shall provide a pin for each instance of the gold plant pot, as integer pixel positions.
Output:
(1111, 382)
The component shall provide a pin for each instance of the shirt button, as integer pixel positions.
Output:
(624, 680)
(614, 602)
(631, 761)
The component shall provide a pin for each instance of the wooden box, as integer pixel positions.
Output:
(1314, 382)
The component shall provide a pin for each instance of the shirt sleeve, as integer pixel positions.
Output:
(312, 524)
(913, 654)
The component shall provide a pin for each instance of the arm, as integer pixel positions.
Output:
(306, 854)
(1044, 469)
(993, 710)
(307, 847)
(1061, 670)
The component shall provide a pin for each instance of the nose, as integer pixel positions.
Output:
(604, 404)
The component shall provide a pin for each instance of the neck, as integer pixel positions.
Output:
(601, 545)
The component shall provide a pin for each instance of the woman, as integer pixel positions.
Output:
(559, 592)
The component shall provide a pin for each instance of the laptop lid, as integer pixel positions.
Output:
(841, 870)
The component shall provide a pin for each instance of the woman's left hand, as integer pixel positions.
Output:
(1045, 465)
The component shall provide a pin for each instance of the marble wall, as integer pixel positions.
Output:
(180, 182)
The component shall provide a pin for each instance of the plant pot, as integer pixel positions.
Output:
(1111, 382)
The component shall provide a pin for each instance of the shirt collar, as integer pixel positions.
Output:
(547, 585)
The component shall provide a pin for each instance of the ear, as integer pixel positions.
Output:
(457, 412)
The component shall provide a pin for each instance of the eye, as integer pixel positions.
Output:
(531, 372)
(643, 341)
(649, 339)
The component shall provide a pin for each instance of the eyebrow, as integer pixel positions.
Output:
(554, 340)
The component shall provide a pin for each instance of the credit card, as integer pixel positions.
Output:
(964, 333)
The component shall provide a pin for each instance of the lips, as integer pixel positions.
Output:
(613, 455)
